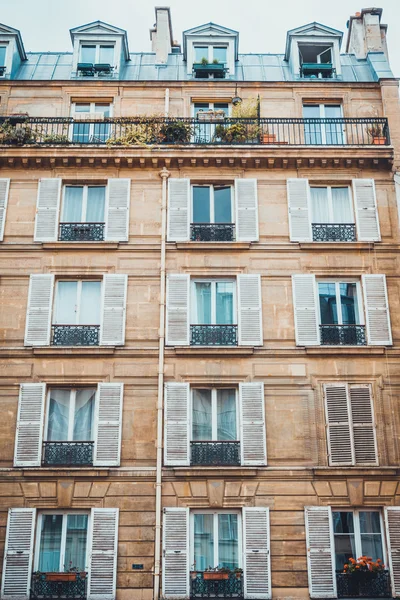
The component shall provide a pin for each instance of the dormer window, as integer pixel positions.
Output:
(210, 51)
(96, 60)
(3, 52)
(210, 62)
(316, 61)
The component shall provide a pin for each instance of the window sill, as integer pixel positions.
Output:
(210, 245)
(80, 245)
(212, 350)
(74, 350)
(318, 246)
(354, 471)
(213, 471)
(345, 350)
(64, 471)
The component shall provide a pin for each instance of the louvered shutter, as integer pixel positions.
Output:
(108, 423)
(249, 310)
(256, 552)
(4, 190)
(112, 328)
(18, 553)
(178, 218)
(38, 314)
(177, 310)
(252, 424)
(298, 194)
(392, 522)
(246, 203)
(117, 210)
(29, 433)
(177, 424)
(103, 554)
(47, 210)
(175, 572)
(362, 415)
(320, 552)
(366, 210)
(377, 317)
(305, 301)
(339, 430)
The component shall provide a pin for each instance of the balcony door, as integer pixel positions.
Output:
(205, 132)
(212, 213)
(90, 132)
(357, 533)
(214, 415)
(70, 414)
(77, 303)
(215, 540)
(340, 312)
(324, 131)
(61, 542)
(214, 302)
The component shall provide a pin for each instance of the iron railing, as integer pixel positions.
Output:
(343, 335)
(363, 585)
(224, 452)
(75, 335)
(212, 232)
(334, 232)
(230, 587)
(67, 453)
(213, 335)
(81, 232)
(129, 131)
(44, 589)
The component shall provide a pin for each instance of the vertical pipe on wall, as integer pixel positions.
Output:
(166, 107)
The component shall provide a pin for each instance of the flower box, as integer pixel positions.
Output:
(210, 115)
(379, 140)
(268, 138)
(61, 576)
(215, 575)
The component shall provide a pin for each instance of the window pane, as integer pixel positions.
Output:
(202, 415)
(228, 541)
(102, 108)
(371, 537)
(320, 206)
(3, 56)
(333, 111)
(343, 527)
(342, 212)
(348, 300)
(58, 420)
(72, 211)
(222, 205)
(327, 303)
(50, 543)
(224, 314)
(81, 130)
(75, 543)
(95, 204)
(370, 522)
(343, 522)
(84, 410)
(203, 303)
(222, 106)
(200, 106)
(85, 108)
(201, 204)
(334, 131)
(219, 54)
(90, 303)
(106, 55)
(226, 415)
(203, 542)
(312, 131)
(311, 111)
(200, 52)
(88, 54)
(66, 302)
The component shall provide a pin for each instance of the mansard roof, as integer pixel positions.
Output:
(7, 30)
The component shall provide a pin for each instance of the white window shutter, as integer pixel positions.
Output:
(246, 202)
(250, 324)
(305, 303)
(177, 325)
(117, 210)
(29, 434)
(177, 424)
(256, 553)
(103, 554)
(298, 195)
(113, 314)
(320, 552)
(47, 210)
(4, 191)
(362, 414)
(392, 522)
(339, 430)
(366, 210)
(108, 423)
(18, 554)
(38, 314)
(252, 424)
(377, 317)
(178, 217)
(175, 572)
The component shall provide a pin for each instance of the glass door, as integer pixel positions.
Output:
(323, 131)
(215, 540)
(61, 542)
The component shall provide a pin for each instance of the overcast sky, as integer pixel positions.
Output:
(45, 24)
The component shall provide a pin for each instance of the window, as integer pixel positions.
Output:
(97, 54)
(210, 53)
(326, 132)
(204, 133)
(214, 302)
(214, 415)
(77, 302)
(215, 540)
(340, 303)
(316, 61)
(331, 205)
(357, 533)
(212, 203)
(70, 414)
(84, 204)
(61, 542)
(84, 133)
(3, 53)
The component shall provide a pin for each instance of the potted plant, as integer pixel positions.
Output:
(375, 131)
(16, 134)
(174, 132)
(238, 573)
(361, 571)
(268, 138)
(216, 574)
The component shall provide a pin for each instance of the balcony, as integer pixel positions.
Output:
(213, 335)
(317, 70)
(334, 232)
(363, 585)
(67, 454)
(75, 335)
(229, 587)
(57, 586)
(204, 71)
(81, 232)
(342, 335)
(215, 454)
(212, 232)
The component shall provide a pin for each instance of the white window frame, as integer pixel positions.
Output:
(215, 533)
(65, 514)
(214, 413)
(322, 115)
(6, 46)
(322, 45)
(71, 412)
(193, 307)
(84, 200)
(78, 299)
(338, 303)
(357, 530)
(211, 106)
(212, 187)
(97, 52)
(92, 109)
(330, 202)
(210, 50)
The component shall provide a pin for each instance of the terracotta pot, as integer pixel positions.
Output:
(268, 138)
(379, 141)
(215, 576)
(238, 575)
(60, 576)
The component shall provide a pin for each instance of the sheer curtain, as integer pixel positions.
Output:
(228, 549)
(203, 541)
(58, 420)
(72, 210)
(341, 207)
(224, 295)
(371, 536)
(203, 303)
(66, 302)
(202, 415)
(75, 543)
(319, 205)
(226, 415)
(50, 543)
(95, 204)
(90, 303)
(84, 410)
(343, 529)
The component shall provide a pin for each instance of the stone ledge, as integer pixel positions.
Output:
(199, 246)
(80, 245)
(74, 350)
(331, 350)
(214, 350)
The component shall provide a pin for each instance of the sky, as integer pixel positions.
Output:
(262, 24)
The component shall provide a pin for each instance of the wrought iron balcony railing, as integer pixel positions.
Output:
(60, 131)
(81, 232)
(212, 232)
(213, 335)
(215, 453)
(334, 232)
(67, 453)
(75, 335)
(363, 585)
(343, 335)
(229, 587)
(45, 588)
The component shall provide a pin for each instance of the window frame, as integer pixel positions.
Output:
(330, 202)
(97, 51)
(357, 531)
(212, 187)
(337, 283)
(213, 281)
(78, 299)
(4, 45)
(214, 413)
(211, 106)
(85, 192)
(215, 513)
(71, 412)
(210, 50)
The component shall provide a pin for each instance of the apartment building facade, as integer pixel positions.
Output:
(199, 290)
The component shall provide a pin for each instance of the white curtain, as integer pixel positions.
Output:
(203, 303)
(319, 204)
(58, 420)
(224, 303)
(95, 204)
(72, 210)
(341, 208)
(84, 410)
(226, 415)
(66, 302)
(90, 303)
(203, 541)
(202, 415)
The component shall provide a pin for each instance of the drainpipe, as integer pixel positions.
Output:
(166, 107)
(164, 174)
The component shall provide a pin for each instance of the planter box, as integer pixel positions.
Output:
(268, 138)
(215, 576)
(202, 71)
(379, 141)
(61, 576)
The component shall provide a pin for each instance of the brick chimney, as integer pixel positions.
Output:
(366, 33)
(161, 35)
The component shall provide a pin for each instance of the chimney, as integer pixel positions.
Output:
(161, 35)
(366, 33)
